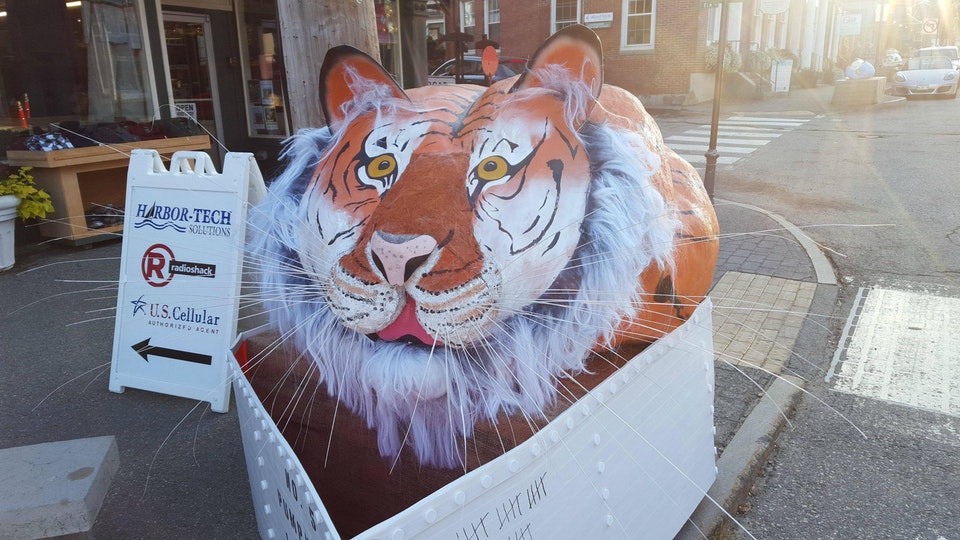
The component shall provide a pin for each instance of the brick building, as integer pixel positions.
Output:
(656, 48)
(646, 52)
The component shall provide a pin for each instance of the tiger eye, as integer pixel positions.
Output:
(492, 168)
(381, 166)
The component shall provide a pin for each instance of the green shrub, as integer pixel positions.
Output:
(34, 202)
(731, 58)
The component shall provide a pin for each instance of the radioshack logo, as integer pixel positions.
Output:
(199, 221)
(159, 265)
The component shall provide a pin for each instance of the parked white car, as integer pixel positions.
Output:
(950, 51)
(927, 76)
(473, 70)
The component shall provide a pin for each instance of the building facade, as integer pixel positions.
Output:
(97, 70)
(219, 66)
(657, 49)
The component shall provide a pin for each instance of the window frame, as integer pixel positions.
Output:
(553, 16)
(466, 13)
(486, 19)
(624, 20)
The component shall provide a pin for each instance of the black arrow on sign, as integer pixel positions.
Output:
(144, 348)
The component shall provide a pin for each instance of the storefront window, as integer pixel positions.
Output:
(73, 62)
(266, 91)
(388, 33)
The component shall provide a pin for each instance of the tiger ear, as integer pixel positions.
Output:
(576, 49)
(341, 69)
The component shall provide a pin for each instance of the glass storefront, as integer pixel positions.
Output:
(122, 67)
(191, 70)
(73, 62)
(388, 34)
(264, 73)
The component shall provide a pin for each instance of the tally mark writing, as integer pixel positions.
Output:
(510, 517)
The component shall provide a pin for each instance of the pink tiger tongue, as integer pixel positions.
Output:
(407, 324)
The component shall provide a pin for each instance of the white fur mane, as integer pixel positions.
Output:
(432, 399)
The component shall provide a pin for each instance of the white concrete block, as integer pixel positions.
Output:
(55, 488)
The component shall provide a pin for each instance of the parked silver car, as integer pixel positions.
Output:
(927, 76)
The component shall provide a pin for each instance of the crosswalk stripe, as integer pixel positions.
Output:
(734, 133)
(737, 137)
(745, 127)
(725, 139)
(696, 159)
(748, 123)
(721, 149)
(762, 119)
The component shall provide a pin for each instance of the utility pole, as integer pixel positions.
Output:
(309, 28)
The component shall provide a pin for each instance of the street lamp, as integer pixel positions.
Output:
(710, 169)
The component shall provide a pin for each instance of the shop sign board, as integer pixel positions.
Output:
(849, 24)
(774, 7)
(780, 73)
(180, 270)
(441, 80)
(598, 20)
(186, 109)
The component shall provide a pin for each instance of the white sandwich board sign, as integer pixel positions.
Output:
(180, 272)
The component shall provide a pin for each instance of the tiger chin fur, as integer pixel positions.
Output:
(538, 268)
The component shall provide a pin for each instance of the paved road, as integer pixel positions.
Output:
(182, 472)
(878, 190)
(737, 137)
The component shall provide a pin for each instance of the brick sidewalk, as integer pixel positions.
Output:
(763, 287)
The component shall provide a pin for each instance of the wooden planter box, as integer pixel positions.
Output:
(630, 459)
(83, 179)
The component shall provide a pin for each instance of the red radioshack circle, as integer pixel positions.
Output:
(154, 265)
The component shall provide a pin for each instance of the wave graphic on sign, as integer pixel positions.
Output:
(160, 227)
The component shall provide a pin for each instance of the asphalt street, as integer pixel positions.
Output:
(874, 448)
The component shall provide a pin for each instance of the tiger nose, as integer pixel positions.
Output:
(398, 256)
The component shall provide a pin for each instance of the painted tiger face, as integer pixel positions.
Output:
(432, 226)
(444, 255)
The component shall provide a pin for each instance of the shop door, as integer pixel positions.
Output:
(192, 74)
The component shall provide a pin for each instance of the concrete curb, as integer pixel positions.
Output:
(821, 264)
(743, 459)
(748, 451)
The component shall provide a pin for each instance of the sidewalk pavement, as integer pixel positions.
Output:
(182, 471)
(817, 100)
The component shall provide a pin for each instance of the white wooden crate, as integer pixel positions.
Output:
(631, 460)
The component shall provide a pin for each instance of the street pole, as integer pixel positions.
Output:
(304, 42)
(711, 168)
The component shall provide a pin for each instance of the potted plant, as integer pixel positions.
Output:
(19, 197)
